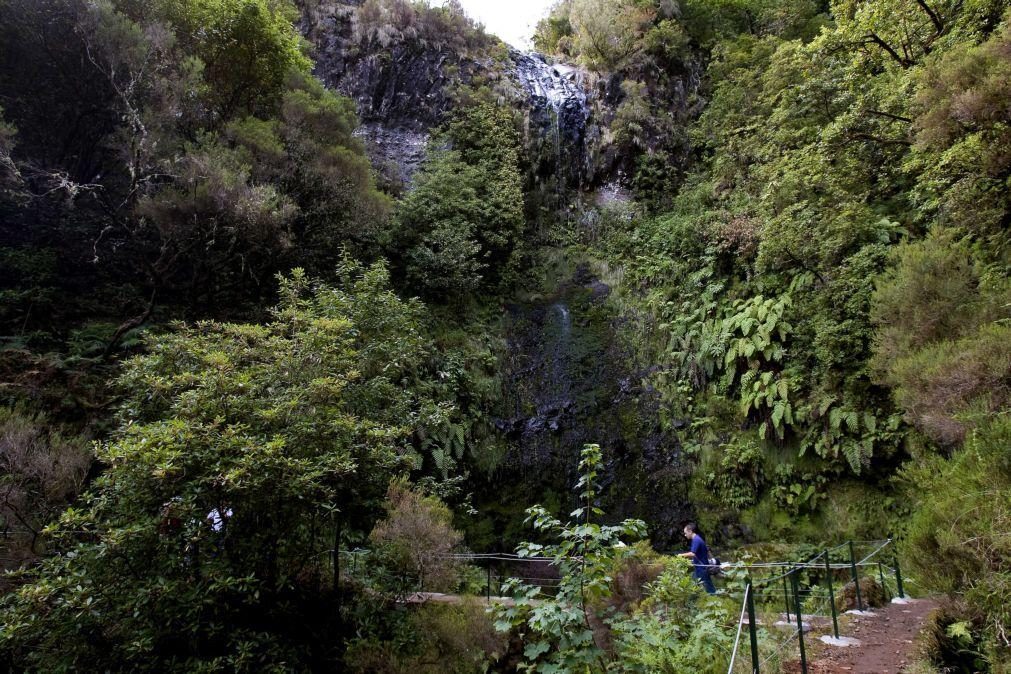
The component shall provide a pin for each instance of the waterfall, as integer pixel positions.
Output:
(559, 113)
(565, 322)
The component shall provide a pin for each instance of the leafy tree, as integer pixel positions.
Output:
(710, 22)
(215, 225)
(241, 448)
(185, 156)
(442, 214)
(962, 130)
(247, 48)
(462, 220)
(310, 154)
(553, 34)
(607, 34)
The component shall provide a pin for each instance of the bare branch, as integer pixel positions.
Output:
(873, 38)
(934, 18)
(888, 115)
(130, 324)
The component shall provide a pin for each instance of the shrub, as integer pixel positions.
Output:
(944, 386)
(940, 342)
(42, 469)
(932, 294)
(959, 539)
(382, 23)
(676, 628)
(562, 633)
(418, 530)
(951, 641)
(455, 638)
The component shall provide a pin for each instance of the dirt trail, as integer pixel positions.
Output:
(887, 641)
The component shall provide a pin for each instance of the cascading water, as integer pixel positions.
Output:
(567, 380)
(559, 111)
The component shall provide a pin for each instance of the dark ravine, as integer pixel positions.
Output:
(565, 376)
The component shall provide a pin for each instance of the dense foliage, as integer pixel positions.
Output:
(250, 359)
(617, 608)
(461, 222)
(963, 518)
(829, 288)
(177, 156)
(288, 431)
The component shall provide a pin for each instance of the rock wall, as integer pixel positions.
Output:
(404, 85)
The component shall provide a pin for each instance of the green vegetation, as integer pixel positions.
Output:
(461, 222)
(655, 618)
(827, 292)
(249, 400)
(958, 540)
(179, 155)
(292, 428)
(388, 22)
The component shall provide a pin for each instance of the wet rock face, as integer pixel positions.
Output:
(567, 382)
(401, 93)
(401, 84)
(396, 152)
(558, 113)
(405, 90)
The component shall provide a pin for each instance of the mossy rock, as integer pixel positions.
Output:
(871, 592)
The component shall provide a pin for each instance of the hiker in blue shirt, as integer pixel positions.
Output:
(700, 557)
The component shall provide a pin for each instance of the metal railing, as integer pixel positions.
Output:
(791, 580)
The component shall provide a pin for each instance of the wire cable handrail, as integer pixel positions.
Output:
(740, 624)
(875, 551)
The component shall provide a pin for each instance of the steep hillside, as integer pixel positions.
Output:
(312, 311)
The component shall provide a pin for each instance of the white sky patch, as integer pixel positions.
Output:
(511, 20)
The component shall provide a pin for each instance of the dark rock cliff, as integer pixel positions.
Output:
(404, 82)
(404, 86)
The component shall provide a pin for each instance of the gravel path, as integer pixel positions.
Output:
(887, 638)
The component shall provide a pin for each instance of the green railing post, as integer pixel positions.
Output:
(856, 577)
(898, 573)
(800, 619)
(786, 599)
(752, 627)
(881, 575)
(831, 595)
(488, 585)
